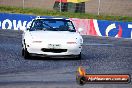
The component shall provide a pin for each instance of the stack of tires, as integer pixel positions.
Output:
(69, 6)
(63, 6)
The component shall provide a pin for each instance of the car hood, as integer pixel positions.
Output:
(54, 35)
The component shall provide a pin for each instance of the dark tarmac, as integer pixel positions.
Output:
(100, 55)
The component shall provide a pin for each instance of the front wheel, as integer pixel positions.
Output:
(79, 56)
(25, 54)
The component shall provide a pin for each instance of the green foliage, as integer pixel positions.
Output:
(41, 12)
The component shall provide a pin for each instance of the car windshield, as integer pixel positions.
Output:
(52, 25)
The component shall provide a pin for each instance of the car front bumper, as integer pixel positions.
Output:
(65, 50)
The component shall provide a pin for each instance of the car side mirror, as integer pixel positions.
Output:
(80, 30)
(28, 29)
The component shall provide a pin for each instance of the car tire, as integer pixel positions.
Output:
(22, 52)
(79, 56)
(26, 54)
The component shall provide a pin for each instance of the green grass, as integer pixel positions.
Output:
(41, 12)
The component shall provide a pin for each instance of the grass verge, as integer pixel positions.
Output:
(41, 12)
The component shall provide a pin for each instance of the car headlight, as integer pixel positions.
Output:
(37, 41)
(71, 43)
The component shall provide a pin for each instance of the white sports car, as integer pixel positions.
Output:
(52, 37)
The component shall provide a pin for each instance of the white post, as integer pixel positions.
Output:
(99, 7)
(23, 4)
(60, 5)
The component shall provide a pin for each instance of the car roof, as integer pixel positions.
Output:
(38, 17)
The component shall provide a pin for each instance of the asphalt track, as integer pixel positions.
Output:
(100, 55)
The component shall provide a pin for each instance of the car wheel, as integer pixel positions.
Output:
(26, 54)
(79, 56)
(22, 52)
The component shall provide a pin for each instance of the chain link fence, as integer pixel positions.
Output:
(99, 7)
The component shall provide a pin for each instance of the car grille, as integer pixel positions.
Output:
(54, 50)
